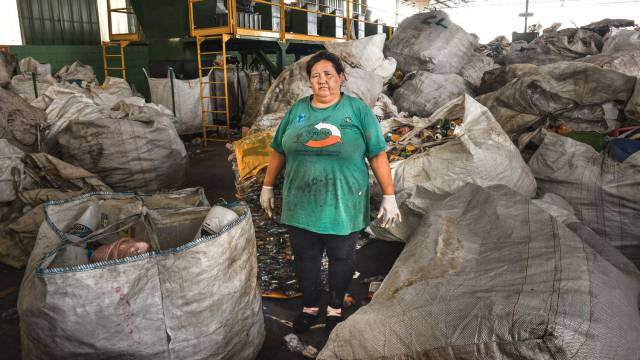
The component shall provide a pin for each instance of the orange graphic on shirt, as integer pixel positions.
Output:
(334, 138)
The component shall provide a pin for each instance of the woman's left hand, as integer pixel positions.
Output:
(389, 213)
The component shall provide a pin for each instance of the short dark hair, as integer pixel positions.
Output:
(325, 55)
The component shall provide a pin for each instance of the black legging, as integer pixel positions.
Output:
(308, 248)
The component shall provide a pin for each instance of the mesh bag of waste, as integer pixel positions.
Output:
(133, 147)
(11, 170)
(41, 178)
(422, 92)
(626, 62)
(583, 96)
(604, 193)
(76, 71)
(20, 123)
(259, 82)
(185, 96)
(430, 42)
(492, 274)
(621, 40)
(446, 157)
(555, 45)
(366, 70)
(190, 297)
(8, 64)
(603, 26)
(475, 67)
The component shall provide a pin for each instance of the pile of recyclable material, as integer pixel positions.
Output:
(276, 273)
(402, 143)
(151, 256)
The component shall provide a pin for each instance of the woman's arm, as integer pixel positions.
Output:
(389, 213)
(381, 170)
(276, 163)
(267, 199)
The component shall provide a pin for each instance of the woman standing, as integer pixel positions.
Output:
(324, 140)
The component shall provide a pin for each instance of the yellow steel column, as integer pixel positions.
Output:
(104, 59)
(225, 37)
(191, 24)
(124, 69)
(202, 109)
(348, 20)
(282, 21)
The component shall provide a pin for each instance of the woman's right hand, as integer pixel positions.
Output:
(267, 200)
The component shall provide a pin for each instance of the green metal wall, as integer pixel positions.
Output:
(136, 57)
(59, 22)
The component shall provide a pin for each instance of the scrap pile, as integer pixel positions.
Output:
(144, 295)
(275, 260)
(66, 143)
(75, 137)
(402, 142)
(570, 100)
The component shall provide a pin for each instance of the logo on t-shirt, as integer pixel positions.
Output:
(326, 135)
(300, 119)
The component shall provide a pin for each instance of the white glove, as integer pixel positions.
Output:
(389, 213)
(267, 201)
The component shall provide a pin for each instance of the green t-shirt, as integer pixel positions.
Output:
(326, 179)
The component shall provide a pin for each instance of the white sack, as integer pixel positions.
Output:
(481, 153)
(187, 101)
(603, 192)
(422, 92)
(11, 170)
(621, 40)
(430, 42)
(187, 299)
(491, 274)
(76, 71)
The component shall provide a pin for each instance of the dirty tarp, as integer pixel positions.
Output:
(76, 71)
(11, 171)
(603, 192)
(258, 84)
(365, 54)
(252, 153)
(46, 178)
(199, 295)
(422, 92)
(491, 273)
(632, 110)
(494, 79)
(431, 42)
(583, 96)
(479, 152)
(602, 27)
(8, 65)
(626, 62)
(554, 46)
(20, 123)
(474, 69)
(620, 40)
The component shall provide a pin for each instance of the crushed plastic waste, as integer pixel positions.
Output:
(401, 145)
(296, 345)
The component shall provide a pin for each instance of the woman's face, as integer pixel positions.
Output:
(325, 81)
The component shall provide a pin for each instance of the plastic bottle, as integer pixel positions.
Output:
(85, 225)
(217, 218)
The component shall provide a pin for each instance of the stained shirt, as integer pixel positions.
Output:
(326, 179)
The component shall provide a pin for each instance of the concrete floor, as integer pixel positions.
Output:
(209, 168)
